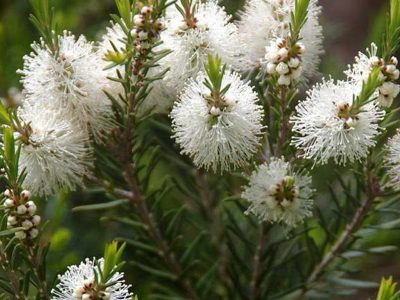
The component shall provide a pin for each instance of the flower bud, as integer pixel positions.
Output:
(374, 60)
(12, 220)
(300, 48)
(294, 62)
(282, 68)
(215, 111)
(282, 53)
(27, 224)
(143, 35)
(36, 220)
(138, 20)
(390, 68)
(159, 25)
(33, 233)
(284, 80)
(21, 210)
(271, 68)
(134, 33)
(394, 61)
(25, 194)
(31, 206)
(9, 203)
(7, 193)
(385, 101)
(20, 235)
(146, 10)
(280, 42)
(389, 89)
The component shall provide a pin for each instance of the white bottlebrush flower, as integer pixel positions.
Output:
(326, 127)
(263, 20)
(277, 194)
(212, 34)
(222, 136)
(393, 161)
(54, 152)
(78, 282)
(387, 92)
(364, 63)
(71, 81)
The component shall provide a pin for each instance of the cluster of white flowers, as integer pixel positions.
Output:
(277, 194)
(192, 39)
(363, 66)
(64, 105)
(393, 161)
(54, 152)
(70, 80)
(79, 282)
(218, 133)
(20, 212)
(327, 126)
(283, 61)
(264, 21)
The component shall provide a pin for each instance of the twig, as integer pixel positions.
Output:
(284, 129)
(215, 228)
(257, 264)
(147, 217)
(373, 190)
(37, 270)
(12, 276)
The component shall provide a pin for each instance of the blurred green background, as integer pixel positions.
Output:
(349, 26)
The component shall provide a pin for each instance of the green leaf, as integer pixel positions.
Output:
(155, 272)
(368, 89)
(355, 283)
(140, 245)
(215, 73)
(387, 290)
(112, 257)
(298, 19)
(99, 206)
(4, 116)
(124, 8)
(392, 36)
(44, 21)
(11, 231)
